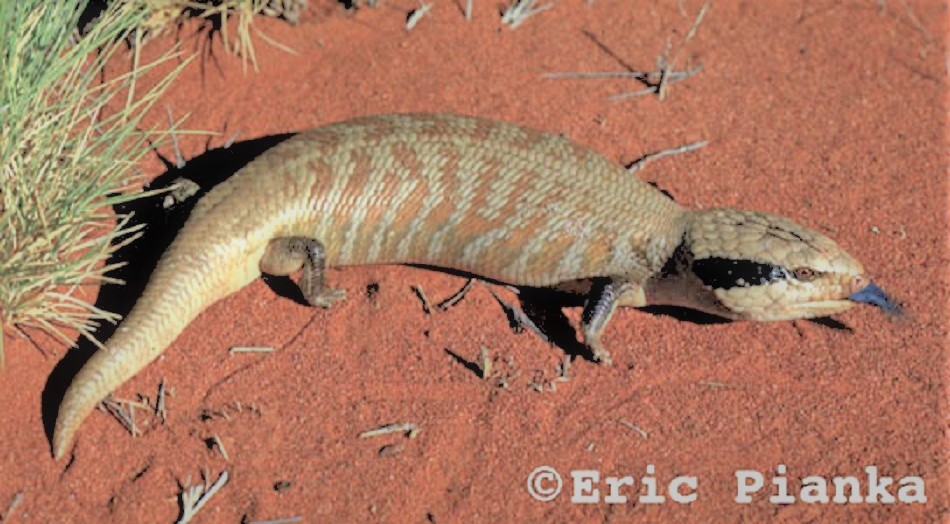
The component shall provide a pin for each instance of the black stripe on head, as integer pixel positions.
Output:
(679, 261)
(726, 273)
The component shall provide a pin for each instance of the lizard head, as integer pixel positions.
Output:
(746, 265)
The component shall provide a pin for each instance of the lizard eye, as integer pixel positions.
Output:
(805, 274)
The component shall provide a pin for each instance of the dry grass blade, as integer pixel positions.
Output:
(668, 65)
(160, 408)
(250, 349)
(176, 147)
(518, 318)
(124, 412)
(220, 445)
(630, 425)
(14, 504)
(193, 498)
(408, 428)
(417, 15)
(65, 159)
(426, 305)
(637, 75)
(564, 370)
(521, 10)
(485, 363)
(915, 21)
(673, 77)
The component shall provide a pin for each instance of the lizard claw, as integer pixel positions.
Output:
(600, 354)
(327, 297)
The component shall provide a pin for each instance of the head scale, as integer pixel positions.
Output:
(753, 266)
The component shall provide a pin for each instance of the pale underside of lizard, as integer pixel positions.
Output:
(496, 200)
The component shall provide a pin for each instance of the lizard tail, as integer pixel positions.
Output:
(187, 280)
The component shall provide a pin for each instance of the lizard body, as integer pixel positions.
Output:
(493, 199)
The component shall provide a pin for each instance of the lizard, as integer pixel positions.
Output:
(493, 199)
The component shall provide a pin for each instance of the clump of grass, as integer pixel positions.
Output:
(69, 143)
(167, 13)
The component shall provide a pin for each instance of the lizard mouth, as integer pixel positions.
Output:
(875, 296)
(818, 308)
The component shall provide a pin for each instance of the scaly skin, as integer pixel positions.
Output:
(492, 199)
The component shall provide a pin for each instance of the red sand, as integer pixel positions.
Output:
(828, 112)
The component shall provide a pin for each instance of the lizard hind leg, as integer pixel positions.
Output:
(287, 255)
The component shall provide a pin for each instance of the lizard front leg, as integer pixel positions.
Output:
(606, 293)
(287, 255)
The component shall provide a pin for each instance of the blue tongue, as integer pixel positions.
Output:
(876, 296)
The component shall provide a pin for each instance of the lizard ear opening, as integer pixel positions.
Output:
(806, 274)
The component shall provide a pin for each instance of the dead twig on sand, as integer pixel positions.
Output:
(641, 162)
(457, 297)
(657, 81)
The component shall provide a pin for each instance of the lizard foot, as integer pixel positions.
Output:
(326, 297)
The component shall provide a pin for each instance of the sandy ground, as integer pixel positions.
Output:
(832, 113)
